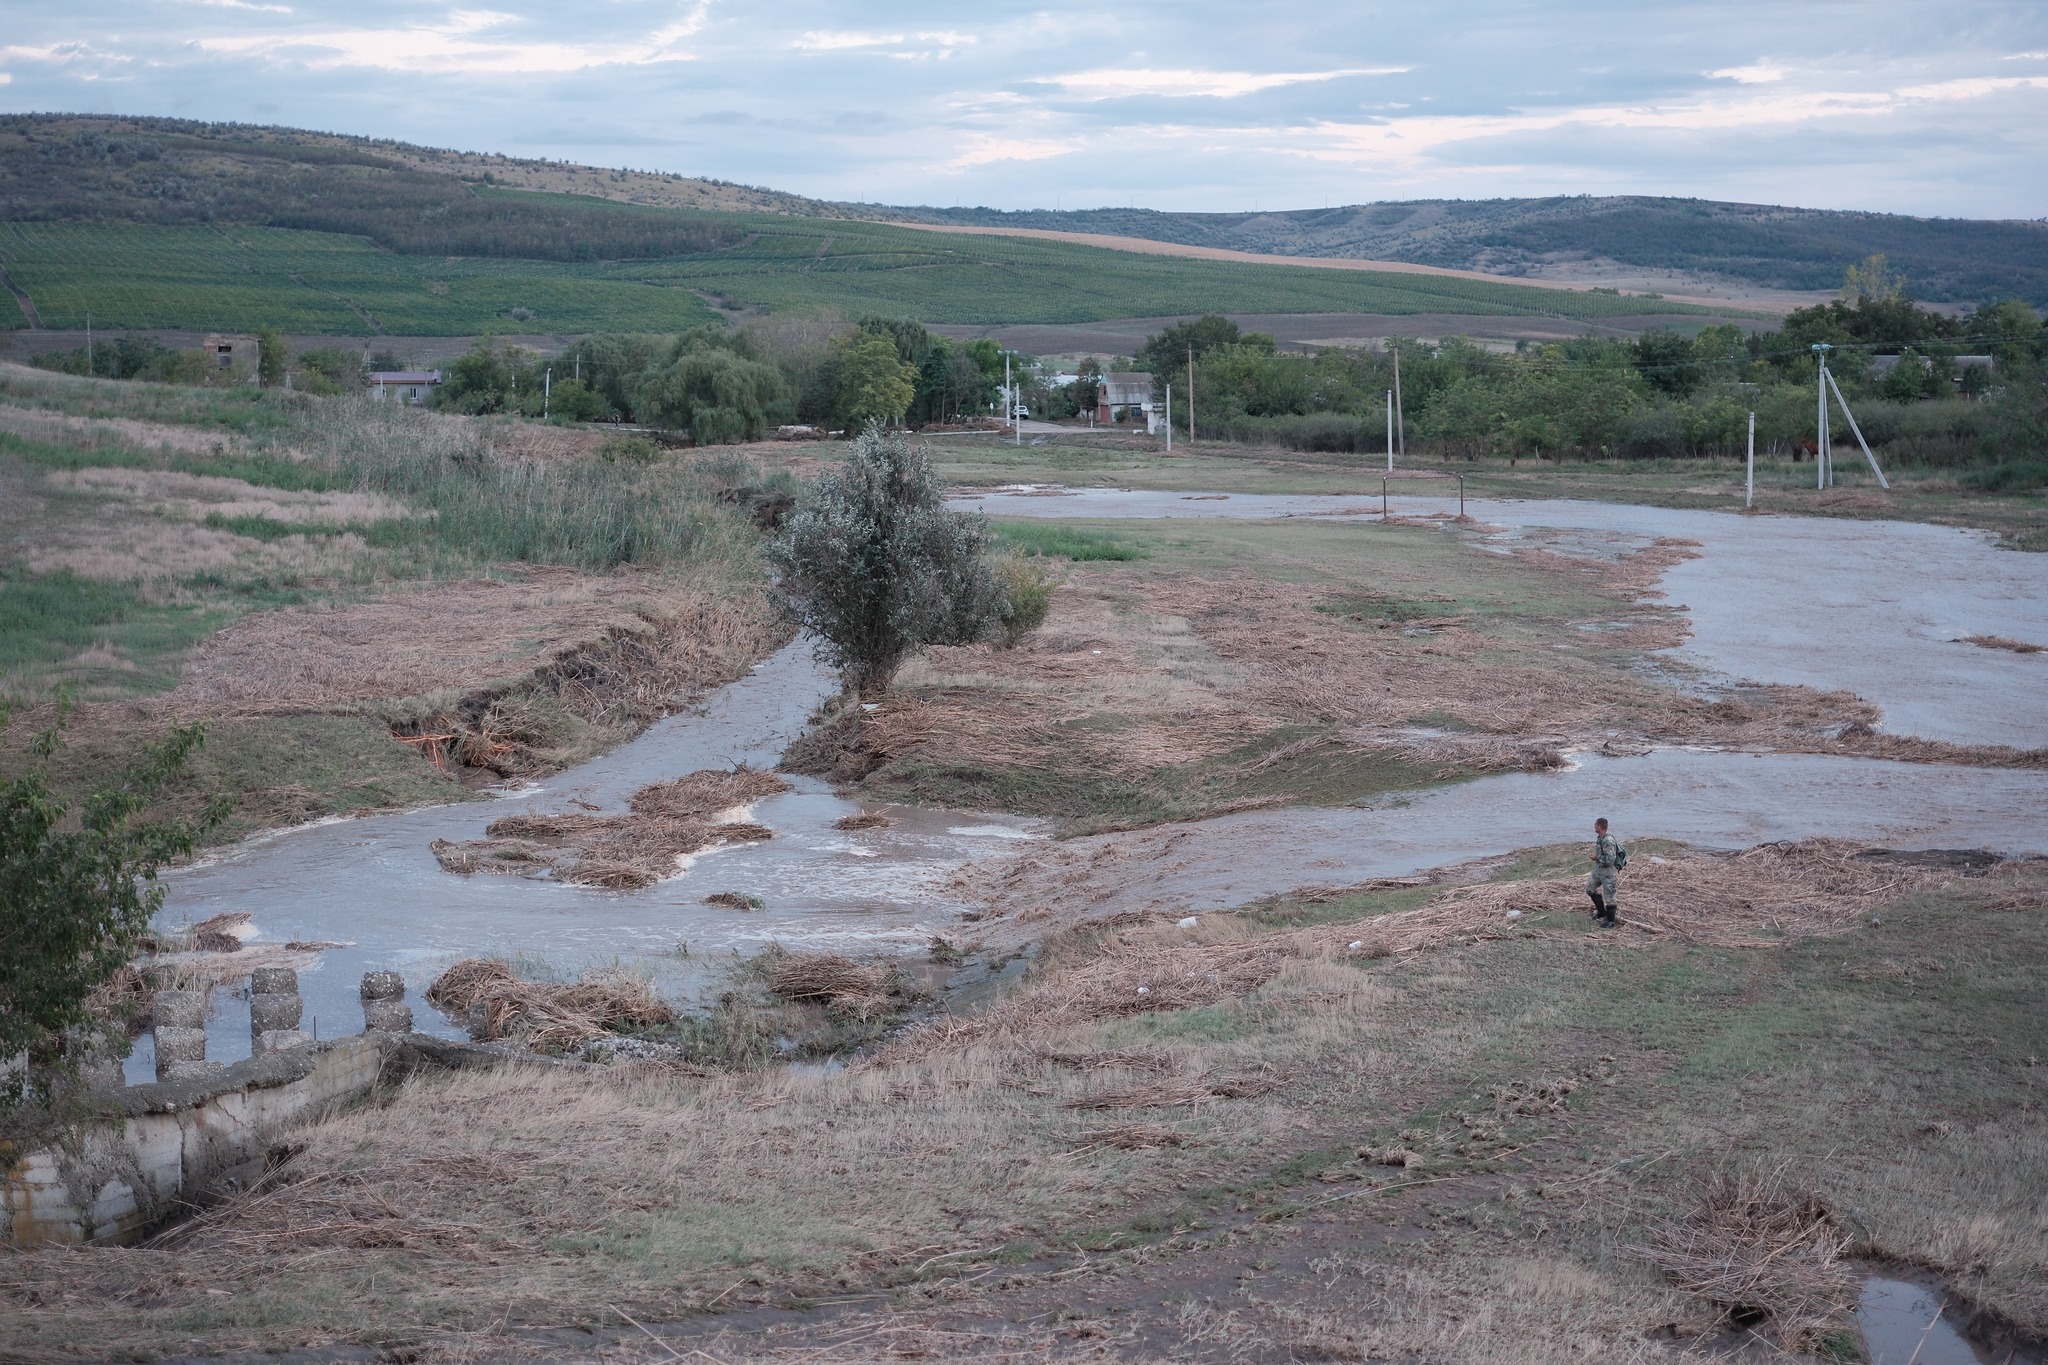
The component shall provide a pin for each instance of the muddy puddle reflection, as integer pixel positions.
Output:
(373, 884)
(1907, 1324)
(1881, 608)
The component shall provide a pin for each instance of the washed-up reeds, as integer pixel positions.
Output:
(546, 1016)
(840, 983)
(1754, 1245)
(664, 823)
(1177, 1094)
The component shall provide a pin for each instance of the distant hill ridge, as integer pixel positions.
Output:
(1945, 259)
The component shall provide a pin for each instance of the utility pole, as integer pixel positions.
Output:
(88, 341)
(1009, 398)
(1169, 419)
(1390, 431)
(1749, 478)
(1400, 417)
(1823, 451)
(1191, 397)
(547, 390)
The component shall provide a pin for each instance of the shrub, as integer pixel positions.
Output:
(74, 902)
(1027, 596)
(873, 564)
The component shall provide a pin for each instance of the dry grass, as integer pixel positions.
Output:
(546, 1017)
(1764, 897)
(1755, 1246)
(412, 642)
(666, 823)
(839, 983)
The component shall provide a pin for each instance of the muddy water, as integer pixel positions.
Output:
(373, 882)
(1876, 607)
(1906, 1324)
(1716, 800)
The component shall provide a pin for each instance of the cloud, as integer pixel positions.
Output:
(464, 44)
(827, 41)
(1108, 83)
(985, 149)
(1756, 73)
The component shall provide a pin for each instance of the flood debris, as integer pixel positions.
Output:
(2004, 642)
(841, 984)
(549, 1017)
(1757, 1247)
(736, 900)
(866, 819)
(663, 824)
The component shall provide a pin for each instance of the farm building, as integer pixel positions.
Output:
(1128, 393)
(224, 349)
(407, 386)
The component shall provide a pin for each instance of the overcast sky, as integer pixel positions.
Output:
(1909, 107)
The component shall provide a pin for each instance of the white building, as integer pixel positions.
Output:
(407, 386)
(1128, 392)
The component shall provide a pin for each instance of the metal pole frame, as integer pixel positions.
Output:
(1882, 482)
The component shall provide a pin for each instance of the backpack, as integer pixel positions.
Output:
(1620, 857)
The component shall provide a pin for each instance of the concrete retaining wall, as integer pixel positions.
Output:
(178, 1140)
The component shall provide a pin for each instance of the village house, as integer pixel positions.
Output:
(223, 350)
(1128, 393)
(407, 386)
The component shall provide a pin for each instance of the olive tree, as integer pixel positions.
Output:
(873, 564)
(76, 893)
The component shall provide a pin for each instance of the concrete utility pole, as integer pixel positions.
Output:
(88, 341)
(1400, 416)
(1749, 478)
(1825, 454)
(1169, 419)
(547, 391)
(1390, 431)
(1823, 451)
(1191, 396)
(1009, 398)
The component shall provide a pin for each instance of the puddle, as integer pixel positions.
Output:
(1907, 1324)
(1876, 607)
(374, 884)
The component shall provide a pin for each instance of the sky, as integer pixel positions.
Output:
(1930, 109)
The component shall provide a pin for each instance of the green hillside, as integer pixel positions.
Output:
(234, 277)
(156, 223)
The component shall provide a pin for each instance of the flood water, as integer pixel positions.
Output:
(1876, 607)
(1905, 1324)
(374, 883)
(1897, 591)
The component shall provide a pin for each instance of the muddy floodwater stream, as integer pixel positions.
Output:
(1878, 607)
(1868, 606)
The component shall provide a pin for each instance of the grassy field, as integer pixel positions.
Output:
(308, 576)
(1464, 1151)
(239, 278)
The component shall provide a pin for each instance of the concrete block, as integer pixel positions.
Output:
(387, 1016)
(188, 1071)
(383, 986)
(268, 1011)
(274, 981)
(180, 1009)
(178, 1045)
(277, 1039)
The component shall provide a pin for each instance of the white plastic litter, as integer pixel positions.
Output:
(1144, 990)
(1514, 914)
(1187, 923)
(1356, 944)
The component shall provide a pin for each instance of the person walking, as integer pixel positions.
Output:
(1608, 858)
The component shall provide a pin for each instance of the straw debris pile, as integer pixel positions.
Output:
(546, 1016)
(665, 822)
(1752, 1246)
(839, 983)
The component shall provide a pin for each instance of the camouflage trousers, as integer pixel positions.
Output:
(1601, 882)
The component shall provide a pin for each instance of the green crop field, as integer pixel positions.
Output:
(238, 278)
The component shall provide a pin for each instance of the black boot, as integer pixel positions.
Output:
(1609, 916)
(1599, 905)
